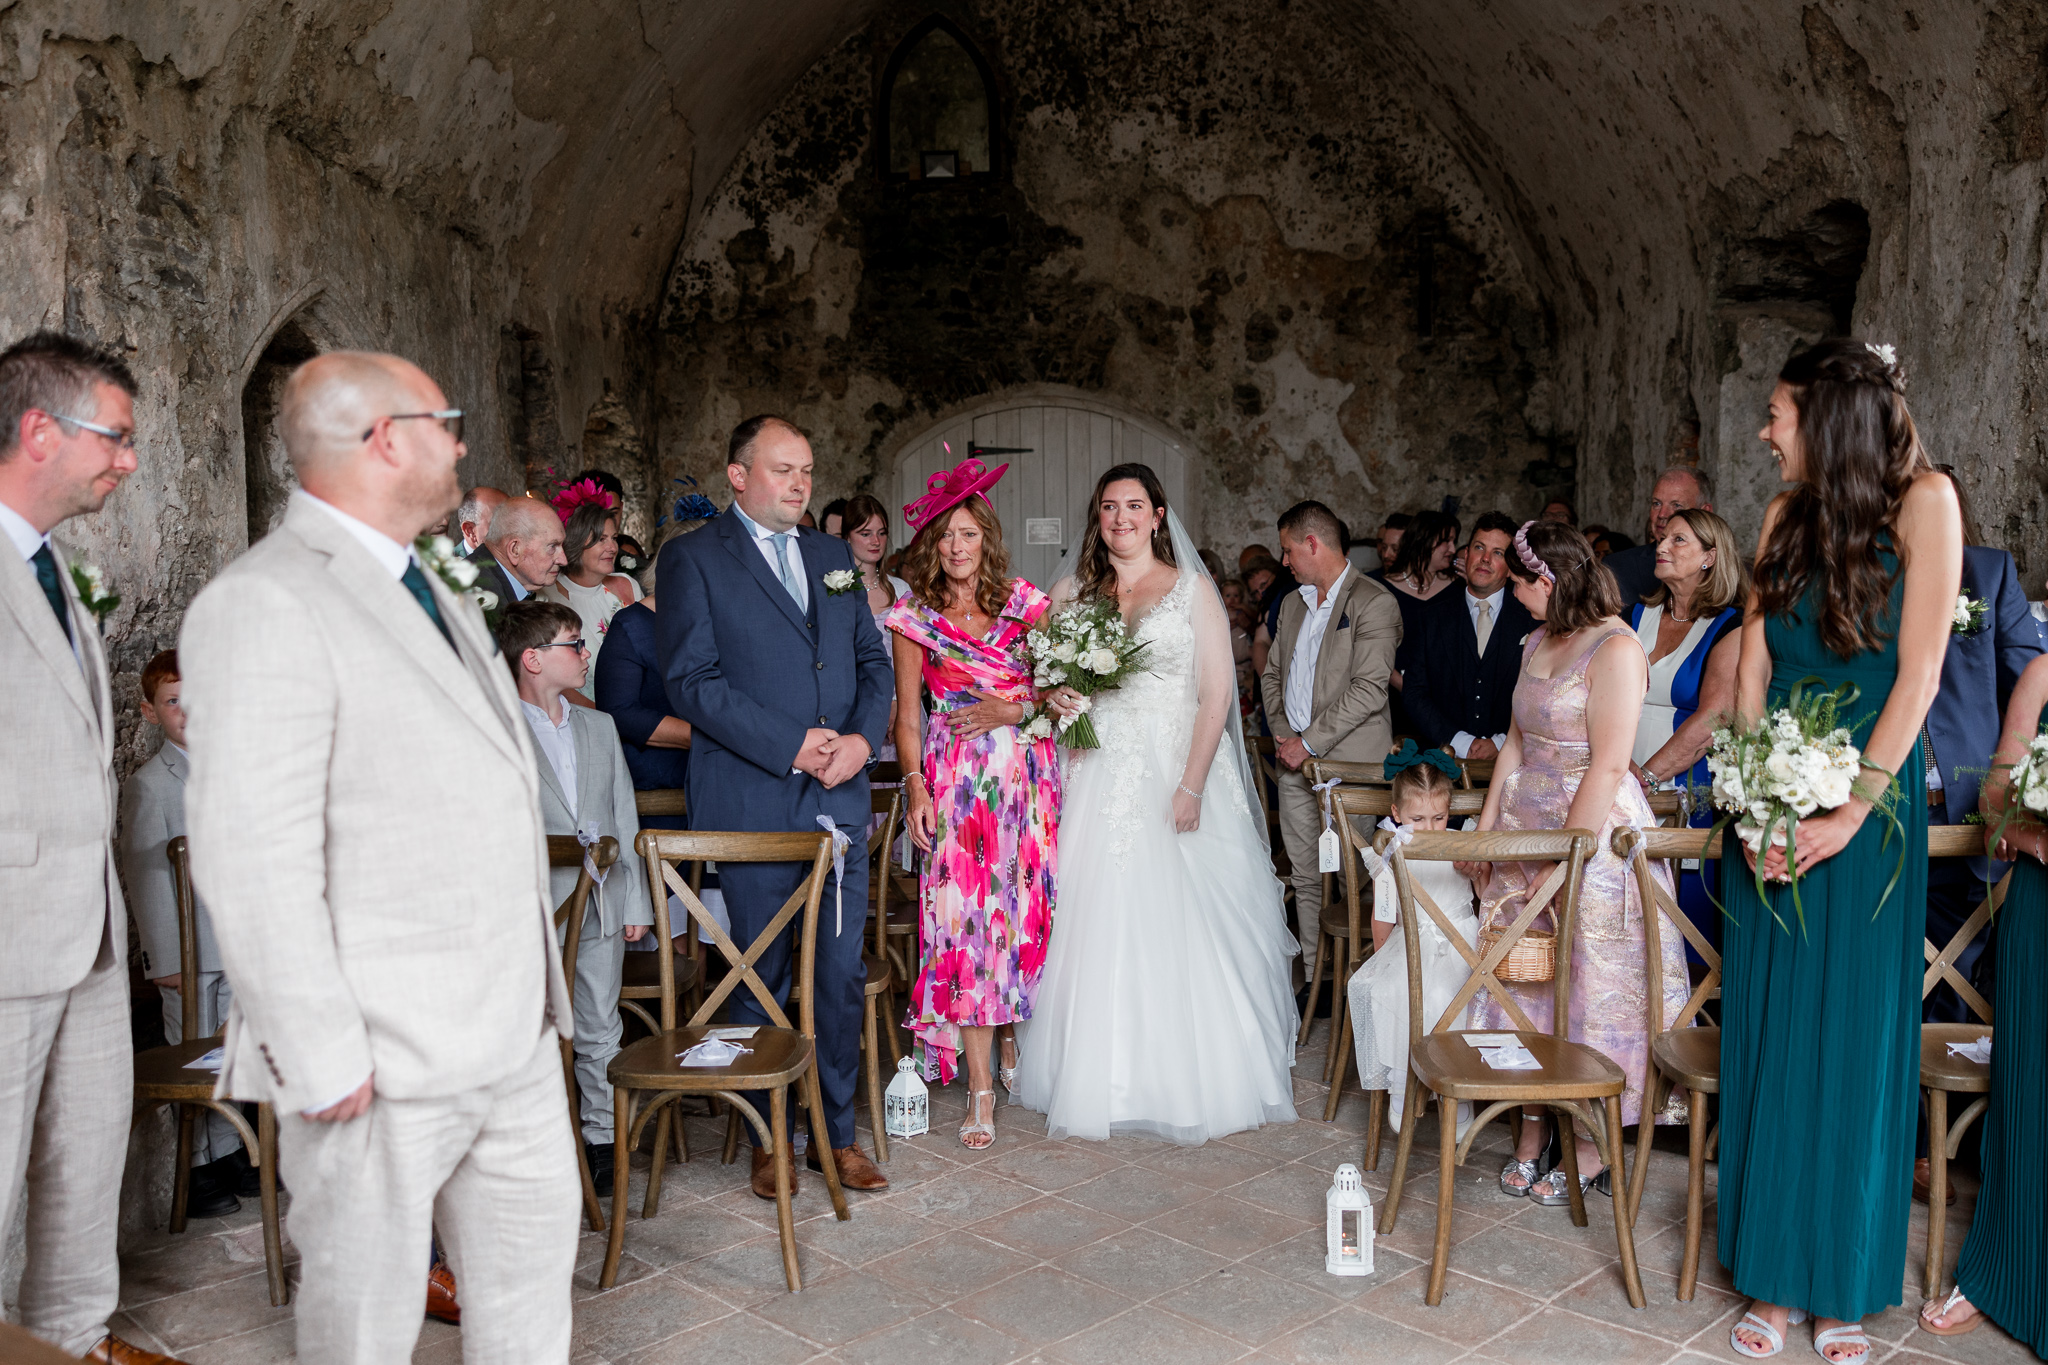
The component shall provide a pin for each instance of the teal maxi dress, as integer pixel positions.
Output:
(2003, 1269)
(1820, 1034)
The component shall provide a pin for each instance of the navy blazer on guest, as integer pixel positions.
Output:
(1978, 675)
(752, 672)
(1448, 687)
(631, 690)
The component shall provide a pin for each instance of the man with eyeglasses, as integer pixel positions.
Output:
(398, 992)
(67, 1077)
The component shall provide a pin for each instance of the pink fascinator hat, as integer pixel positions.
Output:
(950, 488)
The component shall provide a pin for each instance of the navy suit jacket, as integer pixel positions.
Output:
(631, 689)
(1978, 675)
(1635, 573)
(1448, 687)
(752, 673)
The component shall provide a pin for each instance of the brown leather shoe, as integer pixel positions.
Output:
(764, 1175)
(856, 1172)
(441, 1301)
(1923, 1181)
(114, 1351)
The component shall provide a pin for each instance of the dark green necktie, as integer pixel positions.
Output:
(416, 583)
(46, 574)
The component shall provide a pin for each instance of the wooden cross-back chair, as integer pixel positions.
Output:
(1263, 755)
(1942, 1075)
(1572, 1079)
(640, 980)
(564, 850)
(1683, 1051)
(900, 926)
(1347, 936)
(783, 1053)
(165, 1075)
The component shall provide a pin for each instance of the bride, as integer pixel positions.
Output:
(1166, 1005)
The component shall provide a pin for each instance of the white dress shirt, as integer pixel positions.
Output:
(1308, 646)
(557, 743)
(764, 540)
(386, 551)
(1461, 743)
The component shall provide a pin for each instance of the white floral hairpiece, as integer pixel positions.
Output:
(1887, 353)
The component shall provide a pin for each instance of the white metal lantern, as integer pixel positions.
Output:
(907, 1107)
(1349, 1225)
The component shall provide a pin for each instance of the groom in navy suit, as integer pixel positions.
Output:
(787, 688)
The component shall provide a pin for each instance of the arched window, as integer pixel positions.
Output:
(937, 118)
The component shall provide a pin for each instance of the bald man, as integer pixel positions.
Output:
(523, 553)
(398, 993)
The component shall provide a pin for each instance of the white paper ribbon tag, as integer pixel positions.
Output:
(1329, 857)
(840, 842)
(1978, 1052)
(713, 1052)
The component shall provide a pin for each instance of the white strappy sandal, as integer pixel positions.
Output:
(1948, 1305)
(1755, 1323)
(985, 1131)
(1848, 1334)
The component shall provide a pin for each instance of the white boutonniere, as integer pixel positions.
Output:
(92, 590)
(437, 554)
(1968, 617)
(841, 581)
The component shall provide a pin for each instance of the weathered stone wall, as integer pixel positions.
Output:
(1194, 224)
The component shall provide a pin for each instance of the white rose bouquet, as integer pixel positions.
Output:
(2027, 789)
(1086, 647)
(1796, 760)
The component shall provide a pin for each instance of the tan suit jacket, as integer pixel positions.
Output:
(153, 814)
(57, 790)
(370, 914)
(1351, 718)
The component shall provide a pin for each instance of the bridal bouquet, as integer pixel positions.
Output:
(1086, 647)
(1796, 760)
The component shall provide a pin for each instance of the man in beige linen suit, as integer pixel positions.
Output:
(67, 1077)
(1325, 684)
(398, 992)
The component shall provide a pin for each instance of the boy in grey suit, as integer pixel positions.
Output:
(586, 791)
(153, 814)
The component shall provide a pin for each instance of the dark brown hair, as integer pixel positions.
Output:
(531, 624)
(162, 668)
(584, 529)
(1972, 535)
(1312, 518)
(1861, 453)
(1418, 545)
(1582, 590)
(857, 511)
(1096, 575)
(54, 373)
(926, 573)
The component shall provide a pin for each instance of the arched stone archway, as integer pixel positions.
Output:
(1057, 442)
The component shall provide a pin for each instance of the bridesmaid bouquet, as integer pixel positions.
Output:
(1088, 648)
(1797, 759)
(2027, 796)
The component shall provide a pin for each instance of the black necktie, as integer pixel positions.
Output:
(46, 574)
(416, 583)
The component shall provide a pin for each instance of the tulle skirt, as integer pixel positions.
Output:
(1166, 1007)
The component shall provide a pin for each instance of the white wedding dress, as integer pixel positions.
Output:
(1166, 1005)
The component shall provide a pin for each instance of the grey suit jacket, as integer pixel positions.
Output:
(153, 814)
(604, 796)
(370, 914)
(57, 792)
(1351, 719)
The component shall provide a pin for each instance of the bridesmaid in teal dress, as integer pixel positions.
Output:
(2002, 1273)
(1856, 577)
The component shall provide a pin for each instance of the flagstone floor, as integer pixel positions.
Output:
(1088, 1254)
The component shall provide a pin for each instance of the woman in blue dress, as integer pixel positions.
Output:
(1855, 582)
(1690, 628)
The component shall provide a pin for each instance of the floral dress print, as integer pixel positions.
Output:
(987, 888)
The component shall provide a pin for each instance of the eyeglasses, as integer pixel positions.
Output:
(449, 418)
(124, 440)
(576, 645)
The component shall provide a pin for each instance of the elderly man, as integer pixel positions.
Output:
(401, 1008)
(1325, 683)
(67, 1079)
(524, 551)
(473, 518)
(1677, 488)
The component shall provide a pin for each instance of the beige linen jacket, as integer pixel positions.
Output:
(370, 913)
(1351, 718)
(153, 814)
(62, 901)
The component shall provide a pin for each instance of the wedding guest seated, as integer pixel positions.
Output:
(1460, 687)
(1379, 990)
(587, 583)
(473, 518)
(585, 792)
(835, 517)
(1252, 554)
(523, 552)
(1635, 566)
(1391, 531)
(1560, 511)
(153, 814)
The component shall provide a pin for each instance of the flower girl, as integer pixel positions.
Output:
(1379, 989)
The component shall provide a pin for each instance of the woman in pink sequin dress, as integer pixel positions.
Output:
(1565, 766)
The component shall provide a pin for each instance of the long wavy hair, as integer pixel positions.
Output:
(1861, 454)
(1418, 546)
(1095, 574)
(925, 572)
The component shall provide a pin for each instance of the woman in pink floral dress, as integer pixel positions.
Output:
(984, 805)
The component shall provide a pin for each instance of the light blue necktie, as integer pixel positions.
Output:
(781, 540)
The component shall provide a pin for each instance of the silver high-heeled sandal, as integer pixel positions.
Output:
(984, 1131)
